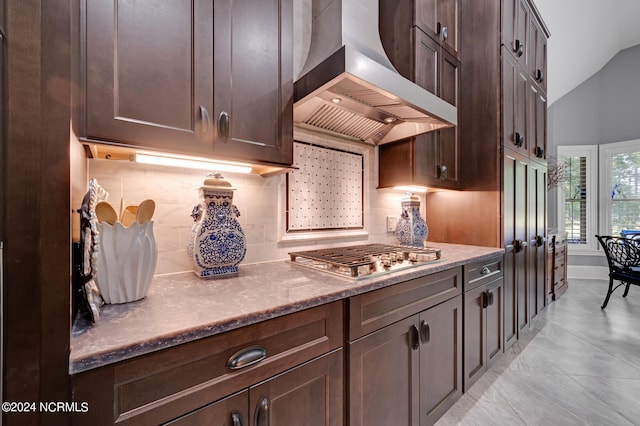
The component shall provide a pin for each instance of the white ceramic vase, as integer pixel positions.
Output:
(125, 261)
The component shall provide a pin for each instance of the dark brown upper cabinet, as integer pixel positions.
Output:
(188, 77)
(537, 125)
(430, 159)
(440, 20)
(253, 71)
(149, 74)
(537, 53)
(515, 85)
(515, 28)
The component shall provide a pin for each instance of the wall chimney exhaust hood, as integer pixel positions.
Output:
(350, 88)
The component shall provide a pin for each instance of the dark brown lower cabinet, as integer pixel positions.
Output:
(483, 310)
(557, 263)
(231, 411)
(537, 238)
(440, 359)
(295, 377)
(516, 245)
(310, 394)
(409, 372)
(384, 375)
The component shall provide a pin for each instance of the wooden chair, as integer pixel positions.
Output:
(623, 256)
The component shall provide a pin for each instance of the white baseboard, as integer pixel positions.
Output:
(587, 272)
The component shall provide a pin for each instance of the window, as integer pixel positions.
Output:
(575, 199)
(577, 195)
(620, 182)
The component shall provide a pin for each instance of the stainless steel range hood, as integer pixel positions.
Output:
(350, 88)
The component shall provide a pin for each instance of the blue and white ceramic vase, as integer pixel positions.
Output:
(411, 229)
(216, 244)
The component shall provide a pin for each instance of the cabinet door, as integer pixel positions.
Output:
(440, 359)
(493, 332)
(515, 244)
(427, 60)
(384, 375)
(540, 150)
(537, 65)
(439, 19)
(475, 363)
(535, 152)
(310, 394)
(231, 411)
(514, 110)
(537, 237)
(483, 310)
(149, 74)
(448, 167)
(436, 153)
(427, 76)
(537, 123)
(253, 111)
(515, 26)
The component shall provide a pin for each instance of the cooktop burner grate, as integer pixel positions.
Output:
(365, 260)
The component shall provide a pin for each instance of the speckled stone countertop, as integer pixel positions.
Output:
(182, 307)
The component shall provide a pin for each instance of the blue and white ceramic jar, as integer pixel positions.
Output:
(411, 229)
(216, 244)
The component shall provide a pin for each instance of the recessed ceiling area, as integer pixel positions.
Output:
(585, 35)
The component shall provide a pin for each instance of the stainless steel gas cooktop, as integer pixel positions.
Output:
(365, 260)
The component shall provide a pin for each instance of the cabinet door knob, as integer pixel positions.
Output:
(484, 300)
(204, 119)
(236, 418)
(247, 357)
(489, 298)
(518, 139)
(518, 47)
(443, 31)
(425, 332)
(539, 152)
(443, 172)
(415, 338)
(262, 412)
(539, 240)
(518, 246)
(223, 126)
(539, 76)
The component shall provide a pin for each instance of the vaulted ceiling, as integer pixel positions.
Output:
(585, 35)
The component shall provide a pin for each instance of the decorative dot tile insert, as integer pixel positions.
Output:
(326, 192)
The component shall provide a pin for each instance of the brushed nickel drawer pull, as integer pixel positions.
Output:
(485, 270)
(262, 412)
(205, 119)
(223, 126)
(414, 337)
(247, 357)
(236, 418)
(425, 332)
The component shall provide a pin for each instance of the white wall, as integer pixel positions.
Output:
(260, 201)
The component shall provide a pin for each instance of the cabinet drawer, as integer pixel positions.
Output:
(371, 311)
(482, 272)
(161, 386)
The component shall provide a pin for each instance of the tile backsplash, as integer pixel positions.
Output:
(261, 202)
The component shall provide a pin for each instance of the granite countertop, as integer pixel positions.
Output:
(182, 307)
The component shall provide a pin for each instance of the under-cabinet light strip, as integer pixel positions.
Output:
(411, 188)
(189, 162)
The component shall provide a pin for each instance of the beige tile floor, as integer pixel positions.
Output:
(576, 365)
